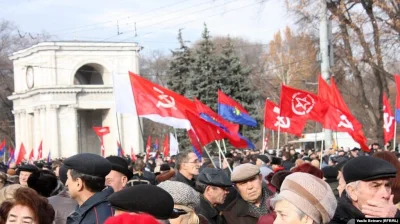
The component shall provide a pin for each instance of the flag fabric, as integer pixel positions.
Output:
(32, 156)
(124, 102)
(195, 143)
(102, 148)
(156, 145)
(133, 156)
(233, 111)
(101, 131)
(297, 103)
(121, 152)
(160, 104)
(40, 151)
(173, 145)
(388, 120)
(166, 146)
(148, 147)
(241, 142)
(3, 147)
(337, 99)
(265, 143)
(10, 155)
(205, 131)
(49, 157)
(209, 115)
(21, 154)
(324, 90)
(397, 79)
(274, 121)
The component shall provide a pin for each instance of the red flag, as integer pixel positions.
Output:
(209, 115)
(31, 155)
(205, 131)
(121, 152)
(133, 156)
(40, 151)
(195, 143)
(21, 154)
(166, 146)
(273, 120)
(101, 131)
(148, 147)
(337, 99)
(160, 104)
(388, 120)
(397, 113)
(299, 103)
(324, 90)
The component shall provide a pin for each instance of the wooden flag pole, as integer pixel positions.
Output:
(279, 135)
(395, 134)
(223, 144)
(223, 155)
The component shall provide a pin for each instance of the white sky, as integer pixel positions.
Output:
(157, 21)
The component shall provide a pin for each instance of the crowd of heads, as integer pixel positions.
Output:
(274, 186)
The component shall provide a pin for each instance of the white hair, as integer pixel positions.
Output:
(278, 198)
(353, 185)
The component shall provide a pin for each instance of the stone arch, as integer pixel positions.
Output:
(91, 72)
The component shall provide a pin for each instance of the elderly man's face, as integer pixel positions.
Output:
(23, 177)
(116, 180)
(376, 190)
(192, 165)
(286, 213)
(250, 190)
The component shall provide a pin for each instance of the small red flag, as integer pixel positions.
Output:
(101, 131)
(133, 156)
(274, 121)
(166, 146)
(40, 151)
(388, 120)
(21, 154)
(31, 155)
(148, 147)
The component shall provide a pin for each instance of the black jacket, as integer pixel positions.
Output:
(95, 210)
(209, 212)
(346, 211)
(180, 178)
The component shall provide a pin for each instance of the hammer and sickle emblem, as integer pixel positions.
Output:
(283, 122)
(165, 100)
(387, 121)
(345, 122)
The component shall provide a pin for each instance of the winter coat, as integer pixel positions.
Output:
(180, 178)
(346, 212)
(63, 206)
(209, 212)
(95, 210)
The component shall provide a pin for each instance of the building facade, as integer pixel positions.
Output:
(64, 89)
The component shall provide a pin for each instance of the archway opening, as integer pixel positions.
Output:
(89, 74)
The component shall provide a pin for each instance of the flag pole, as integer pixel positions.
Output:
(394, 137)
(277, 144)
(322, 151)
(219, 159)
(223, 155)
(118, 132)
(223, 144)
(263, 139)
(176, 137)
(208, 154)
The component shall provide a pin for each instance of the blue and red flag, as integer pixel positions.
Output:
(10, 156)
(3, 147)
(233, 111)
(397, 79)
(155, 146)
(49, 157)
(121, 152)
(195, 143)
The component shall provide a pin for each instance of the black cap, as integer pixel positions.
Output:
(120, 165)
(137, 199)
(355, 149)
(276, 161)
(88, 163)
(165, 167)
(263, 158)
(27, 168)
(367, 168)
(214, 177)
(330, 173)
(62, 174)
(44, 182)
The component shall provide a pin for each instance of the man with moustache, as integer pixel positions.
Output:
(214, 185)
(187, 165)
(252, 202)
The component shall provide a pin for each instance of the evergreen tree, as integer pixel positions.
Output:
(178, 73)
(234, 81)
(179, 67)
(203, 80)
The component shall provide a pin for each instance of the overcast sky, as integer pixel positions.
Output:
(157, 21)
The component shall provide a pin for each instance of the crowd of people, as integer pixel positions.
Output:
(248, 187)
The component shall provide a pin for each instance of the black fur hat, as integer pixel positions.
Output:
(44, 182)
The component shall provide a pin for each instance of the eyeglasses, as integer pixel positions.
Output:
(195, 162)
